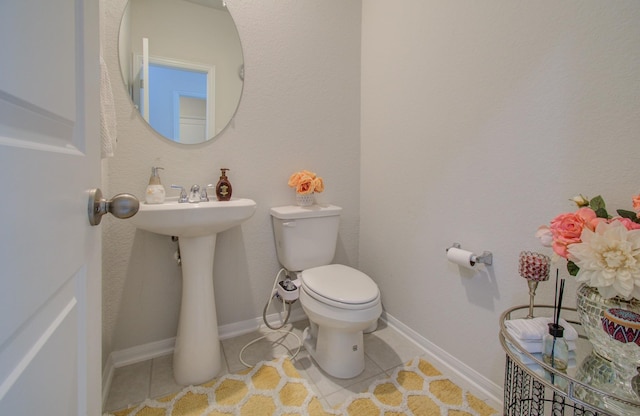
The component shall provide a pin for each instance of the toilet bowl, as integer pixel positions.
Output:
(340, 301)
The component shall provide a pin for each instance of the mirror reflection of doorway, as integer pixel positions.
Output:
(179, 104)
(191, 118)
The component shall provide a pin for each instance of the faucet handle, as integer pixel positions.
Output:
(183, 193)
(203, 194)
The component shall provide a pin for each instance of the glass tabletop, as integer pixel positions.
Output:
(589, 378)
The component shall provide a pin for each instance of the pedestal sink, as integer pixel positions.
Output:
(196, 358)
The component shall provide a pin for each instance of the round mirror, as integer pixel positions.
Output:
(182, 63)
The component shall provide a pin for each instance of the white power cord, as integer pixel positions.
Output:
(273, 294)
(263, 337)
(284, 304)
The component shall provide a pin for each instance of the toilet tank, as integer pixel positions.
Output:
(305, 237)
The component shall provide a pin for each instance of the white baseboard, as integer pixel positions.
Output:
(145, 352)
(142, 352)
(493, 392)
(481, 384)
(250, 325)
(132, 355)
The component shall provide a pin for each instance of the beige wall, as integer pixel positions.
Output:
(300, 110)
(479, 121)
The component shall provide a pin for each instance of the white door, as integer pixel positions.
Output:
(49, 254)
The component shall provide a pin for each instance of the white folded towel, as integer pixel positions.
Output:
(536, 328)
(535, 345)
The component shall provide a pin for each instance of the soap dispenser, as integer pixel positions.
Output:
(223, 187)
(155, 191)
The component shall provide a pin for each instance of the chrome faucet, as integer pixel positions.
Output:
(195, 194)
(203, 195)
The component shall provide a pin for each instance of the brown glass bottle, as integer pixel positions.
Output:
(223, 187)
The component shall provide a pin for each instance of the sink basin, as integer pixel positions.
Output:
(193, 220)
(196, 357)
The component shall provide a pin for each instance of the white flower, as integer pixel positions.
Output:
(609, 259)
(580, 201)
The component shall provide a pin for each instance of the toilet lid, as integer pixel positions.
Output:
(341, 284)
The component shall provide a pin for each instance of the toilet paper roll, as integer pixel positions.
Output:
(462, 258)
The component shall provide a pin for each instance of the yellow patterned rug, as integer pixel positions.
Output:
(276, 388)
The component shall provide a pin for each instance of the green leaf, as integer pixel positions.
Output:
(629, 214)
(596, 203)
(572, 268)
(602, 213)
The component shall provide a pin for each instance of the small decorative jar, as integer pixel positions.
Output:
(612, 326)
(305, 200)
(591, 307)
(623, 328)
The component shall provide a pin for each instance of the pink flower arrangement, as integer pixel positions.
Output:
(567, 229)
(602, 251)
(306, 182)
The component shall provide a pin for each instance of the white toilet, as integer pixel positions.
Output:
(341, 302)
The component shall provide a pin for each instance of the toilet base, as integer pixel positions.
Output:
(339, 353)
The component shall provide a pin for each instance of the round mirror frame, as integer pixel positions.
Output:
(220, 71)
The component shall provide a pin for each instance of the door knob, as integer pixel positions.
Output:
(121, 206)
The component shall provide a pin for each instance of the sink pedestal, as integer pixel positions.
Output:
(196, 358)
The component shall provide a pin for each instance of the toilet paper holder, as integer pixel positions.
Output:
(485, 258)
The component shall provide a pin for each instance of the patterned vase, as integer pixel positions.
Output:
(614, 367)
(305, 200)
(591, 307)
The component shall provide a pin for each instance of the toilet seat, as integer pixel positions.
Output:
(340, 286)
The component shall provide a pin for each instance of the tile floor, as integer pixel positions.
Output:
(385, 349)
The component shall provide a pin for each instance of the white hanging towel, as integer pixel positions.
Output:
(108, 126)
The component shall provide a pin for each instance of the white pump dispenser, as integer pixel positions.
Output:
(155, 191)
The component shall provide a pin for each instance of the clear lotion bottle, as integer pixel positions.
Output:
(155, 193)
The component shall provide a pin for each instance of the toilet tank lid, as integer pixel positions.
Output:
(290, 212)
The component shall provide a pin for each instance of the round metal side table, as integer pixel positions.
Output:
(533, 388)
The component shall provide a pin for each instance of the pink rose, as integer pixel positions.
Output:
(567, 228)
(629, 225)
(636, 204)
